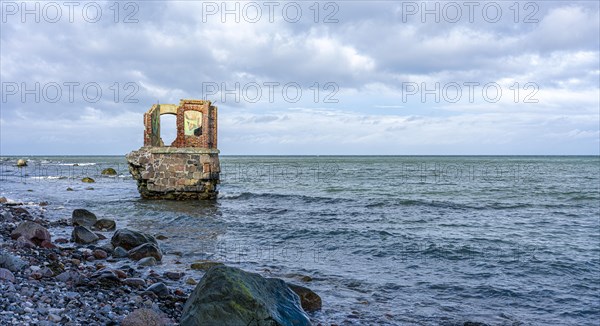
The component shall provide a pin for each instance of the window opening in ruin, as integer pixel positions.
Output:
(168, 128)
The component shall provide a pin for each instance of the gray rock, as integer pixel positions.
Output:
(105, 224)
(119, 252)
(230, 296)
(31, 231)
(6, 275)
(160, 289)
(106, 277)
(83, 235)
(54, 318)
(10, 262)
(83, 217)
(147, 261)
(145, 250)
(69, 277)
(130, 239)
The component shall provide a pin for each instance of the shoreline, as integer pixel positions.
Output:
(48, 280)
(73, 285)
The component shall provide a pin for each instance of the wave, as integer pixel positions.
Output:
(446, 204)
(305, 198)
(49, 178)
(76, 164)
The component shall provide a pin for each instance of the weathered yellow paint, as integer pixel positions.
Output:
(168, 109)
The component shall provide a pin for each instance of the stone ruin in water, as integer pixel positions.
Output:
(187, 169)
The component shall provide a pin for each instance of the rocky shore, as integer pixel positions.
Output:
(104, 275)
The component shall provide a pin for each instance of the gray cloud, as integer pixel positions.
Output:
(368, 54)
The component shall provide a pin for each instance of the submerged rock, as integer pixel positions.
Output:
(31, 231)
(109, 171)
(83, 235)
(230, 296)
(147, 261)
(105, 224)
(204, 265)
(83, 217)
(129, 239)
(310, 300)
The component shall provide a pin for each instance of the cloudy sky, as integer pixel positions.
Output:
(357, 77)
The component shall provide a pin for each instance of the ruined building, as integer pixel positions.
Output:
(189, 167)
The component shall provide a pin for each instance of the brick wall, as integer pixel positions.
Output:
(208, 138)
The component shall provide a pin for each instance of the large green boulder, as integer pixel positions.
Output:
(230, 296)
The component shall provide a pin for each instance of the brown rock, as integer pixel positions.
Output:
(144, 317)
(135, 282)
(174, 275)
(120, 273)
(47, 244)
(100, 254)
(31, 231)
(310, 300)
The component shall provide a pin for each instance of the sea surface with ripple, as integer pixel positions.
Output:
(387, 240)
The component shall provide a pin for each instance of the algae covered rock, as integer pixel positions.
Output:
(231, 296)
(204, 265)
(109, 171)
(88, 180)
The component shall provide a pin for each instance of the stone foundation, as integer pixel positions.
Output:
(175, 173)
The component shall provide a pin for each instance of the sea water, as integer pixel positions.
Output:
(386, 240)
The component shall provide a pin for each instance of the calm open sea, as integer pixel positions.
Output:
(387, 240)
